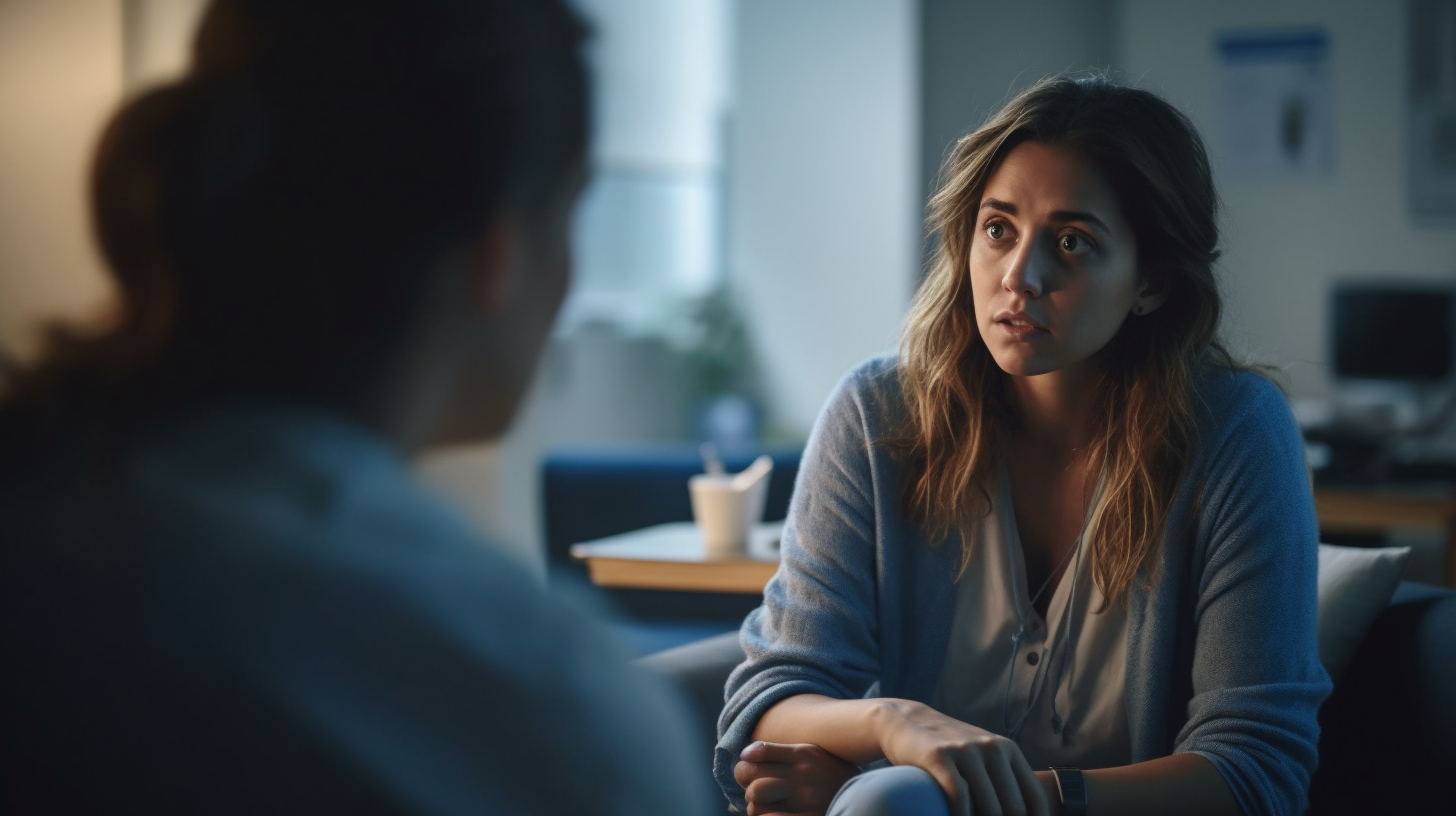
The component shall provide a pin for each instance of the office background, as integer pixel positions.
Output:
(831, 117)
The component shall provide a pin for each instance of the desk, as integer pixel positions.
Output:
(670, 556)
(1381, 510)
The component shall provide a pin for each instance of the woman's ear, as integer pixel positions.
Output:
(495, 264)
(1154, 293)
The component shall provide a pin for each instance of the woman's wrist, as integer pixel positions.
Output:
(1048, 782)
(886, 716)
(853, 730)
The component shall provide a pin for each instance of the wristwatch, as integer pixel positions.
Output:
(1073, 790)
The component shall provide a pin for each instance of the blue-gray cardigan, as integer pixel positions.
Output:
(1222, 658)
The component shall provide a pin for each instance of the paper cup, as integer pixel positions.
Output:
(725, 516)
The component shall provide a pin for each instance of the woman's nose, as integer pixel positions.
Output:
(1027, 273)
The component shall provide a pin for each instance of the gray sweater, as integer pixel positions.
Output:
(1222, 655)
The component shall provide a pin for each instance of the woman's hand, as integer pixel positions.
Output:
(790, 779)
(981, 772)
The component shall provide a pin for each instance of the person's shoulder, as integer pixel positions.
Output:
(298, 554)
(872, 389)
(879, 368)
(295, 497)
(529, 665)
(1230, 395)
(1242, 412)
(878, 373)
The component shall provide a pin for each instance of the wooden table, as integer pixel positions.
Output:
(670, 556)
(1379, 510)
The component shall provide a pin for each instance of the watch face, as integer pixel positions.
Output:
(1073, 790)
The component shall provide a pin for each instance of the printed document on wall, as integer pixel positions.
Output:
(1274, 88)
(1431, 128)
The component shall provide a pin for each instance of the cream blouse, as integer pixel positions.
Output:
(1058, 690)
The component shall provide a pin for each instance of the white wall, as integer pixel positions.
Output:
(64, 67)
(60, 76)
(974, 58)
(659, 75)
(157, 39)
(1287, 239)
(823, 214)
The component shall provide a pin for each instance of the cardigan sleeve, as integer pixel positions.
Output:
(816, 630)
(1257, 679)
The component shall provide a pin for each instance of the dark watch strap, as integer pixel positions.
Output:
(1073, 790)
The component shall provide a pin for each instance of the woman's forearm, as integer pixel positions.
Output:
(1186, 784)
(853, 729)
(848, 729)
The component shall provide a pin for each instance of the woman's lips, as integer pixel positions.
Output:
(1019, 326)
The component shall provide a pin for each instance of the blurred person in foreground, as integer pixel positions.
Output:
(341, 236)
(1058, 556)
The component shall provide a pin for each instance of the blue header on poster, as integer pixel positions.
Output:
(1297, 45)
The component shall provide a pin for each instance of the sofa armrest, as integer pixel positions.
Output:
(701, 669)
(1388, 732)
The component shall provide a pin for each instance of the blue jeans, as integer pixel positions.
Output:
(893, 790)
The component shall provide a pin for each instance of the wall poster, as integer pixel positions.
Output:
(1274, 93)
(1431, 110)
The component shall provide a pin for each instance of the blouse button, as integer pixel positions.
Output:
(1033, 657)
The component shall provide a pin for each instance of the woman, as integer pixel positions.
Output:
(1062, 529)
(340, 236)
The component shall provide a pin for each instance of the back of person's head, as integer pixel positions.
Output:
(1156, 165)
(273, 218)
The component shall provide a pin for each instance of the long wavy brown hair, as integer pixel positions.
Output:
(952, 440)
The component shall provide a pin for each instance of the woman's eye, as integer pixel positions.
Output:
(1074, 244)
(995, 230)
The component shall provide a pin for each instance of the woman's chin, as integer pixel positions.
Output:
(1024, 365)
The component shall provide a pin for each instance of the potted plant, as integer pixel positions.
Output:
(717, 358)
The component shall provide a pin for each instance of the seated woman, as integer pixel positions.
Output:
(340, 236)
(1058, 556)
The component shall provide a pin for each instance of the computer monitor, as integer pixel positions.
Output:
(1394, 333)
(1392, 347)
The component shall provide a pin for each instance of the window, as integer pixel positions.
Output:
(649, 231)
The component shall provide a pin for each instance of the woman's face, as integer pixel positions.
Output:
(1054, 267)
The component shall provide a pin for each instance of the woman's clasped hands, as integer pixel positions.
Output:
(779, 779)
(981, 773)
